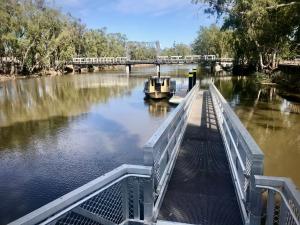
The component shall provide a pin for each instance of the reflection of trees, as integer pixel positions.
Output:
(245, 90)
(46, 166)
(256, 103)
(21, 134)
(38, 99)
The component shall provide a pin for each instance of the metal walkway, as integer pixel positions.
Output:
(201, 189)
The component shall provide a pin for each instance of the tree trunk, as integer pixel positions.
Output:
(26, 55)
(274, 61)
(12, 68)
(261, 62)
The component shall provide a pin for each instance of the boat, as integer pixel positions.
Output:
(157, 87)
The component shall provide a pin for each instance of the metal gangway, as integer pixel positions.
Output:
(201, 150)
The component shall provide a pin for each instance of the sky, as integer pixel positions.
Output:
(142, 20)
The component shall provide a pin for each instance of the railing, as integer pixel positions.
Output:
(161, 150)
(244, 156)
(295, 62)
(282, 201)
(124, 60)
(102, 60)
(118, 197)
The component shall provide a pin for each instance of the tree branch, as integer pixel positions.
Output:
(283, 5)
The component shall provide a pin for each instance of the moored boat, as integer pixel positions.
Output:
(157, 87)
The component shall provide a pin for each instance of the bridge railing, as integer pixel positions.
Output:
(161, 150)
(282, 201)
(121, 196)
(244, 156)
(295, 62)
(159, 60)
(101, 60)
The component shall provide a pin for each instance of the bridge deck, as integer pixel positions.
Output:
(201, 189)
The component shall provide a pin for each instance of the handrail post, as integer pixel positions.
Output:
(148, 156)
(148, 200)
(149, 186)
(270, 207)
(255, 196)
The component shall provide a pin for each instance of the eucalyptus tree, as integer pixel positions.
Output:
(177, 49)
(116, 44)
(140, 52)
(37, 37)
(263, 30)
(212, 40)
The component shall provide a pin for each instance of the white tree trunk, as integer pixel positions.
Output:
(261, 62)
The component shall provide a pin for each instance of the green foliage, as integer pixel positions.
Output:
(139, 51)
(177, 49)
(213, 41)
(263, 30)
(39, 37)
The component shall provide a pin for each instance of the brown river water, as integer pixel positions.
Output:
(272, 120)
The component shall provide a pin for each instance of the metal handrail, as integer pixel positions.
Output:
(244, 156)
(290, 198)
(161, 149)
(65, 204)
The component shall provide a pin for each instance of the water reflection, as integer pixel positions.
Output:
(158, 108)
(37, 99)
(272, 120)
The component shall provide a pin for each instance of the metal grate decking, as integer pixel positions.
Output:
(201, 189)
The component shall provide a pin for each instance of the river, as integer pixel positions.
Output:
(58, 133)
(272, 120)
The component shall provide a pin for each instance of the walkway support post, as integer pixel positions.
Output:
(194, 76)
(157, 69)
(128, 69)
(191, 80)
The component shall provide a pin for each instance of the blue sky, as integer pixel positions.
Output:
(142, 20)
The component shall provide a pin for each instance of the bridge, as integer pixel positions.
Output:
(160, 60)
(200, 167)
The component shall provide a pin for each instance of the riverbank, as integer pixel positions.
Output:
(5, 77)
